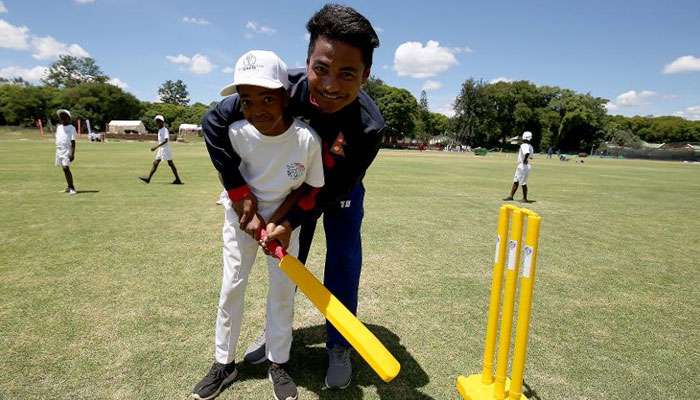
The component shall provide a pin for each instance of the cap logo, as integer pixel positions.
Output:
(249, 63)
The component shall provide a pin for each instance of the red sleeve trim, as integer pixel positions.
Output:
(239, 193)
(308, 201)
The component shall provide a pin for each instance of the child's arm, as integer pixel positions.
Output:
(278, 227)
(159, 144)
(72, 150)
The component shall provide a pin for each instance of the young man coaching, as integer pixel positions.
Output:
(329, 97)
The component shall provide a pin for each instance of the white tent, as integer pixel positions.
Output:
(189, 129)
(126, 127)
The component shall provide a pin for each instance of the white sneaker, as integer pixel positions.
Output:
(72, 192)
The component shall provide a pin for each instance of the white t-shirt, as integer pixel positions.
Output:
(163, 135)
(273, 166)
(64, 135)
(525, 148)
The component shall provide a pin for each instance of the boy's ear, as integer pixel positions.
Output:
(365, 74)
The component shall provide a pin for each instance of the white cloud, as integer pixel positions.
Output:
(431, 85)
(13, 37)
(84, 1)
(501, 79)
(683, 64)
(3, 9)
(228, 70)
(118, 83)
(198, 64)
(633, 98)
(31, 75)
(195, 20)
(610, 106)
(254, 27)
(464, 49)
(414, 60)
(46, 48)
(445, 109)
(691, 113)
(378, 29)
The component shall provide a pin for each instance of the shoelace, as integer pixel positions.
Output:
(279, 375)
(217, 371)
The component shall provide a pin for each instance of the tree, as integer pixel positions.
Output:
(174, 92)
(70, 71)
(474, 121)
(427, 129)
(22, 105)
(99, 102)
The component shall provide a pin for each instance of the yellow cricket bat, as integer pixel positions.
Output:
(354, 331)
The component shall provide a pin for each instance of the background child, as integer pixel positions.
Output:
(164, 152)
(523, 170)
(65, 147)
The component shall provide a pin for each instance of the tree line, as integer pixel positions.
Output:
(485, 114)
(79, 85)
(490, 114)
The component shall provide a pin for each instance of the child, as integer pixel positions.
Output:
(523, 170)
(278, 154)
(163, 151)
(65, 147)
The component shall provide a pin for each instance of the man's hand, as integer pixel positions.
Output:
(246, 209)
(254, 227)
(281, 233)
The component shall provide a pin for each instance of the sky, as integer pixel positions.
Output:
(643, 56)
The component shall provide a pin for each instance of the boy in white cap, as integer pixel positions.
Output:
(281, 159)
(163, 153)
(523, 170)
(65, 147)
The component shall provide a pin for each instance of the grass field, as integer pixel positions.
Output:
(111, 294)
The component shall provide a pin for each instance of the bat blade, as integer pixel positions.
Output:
(353, 330)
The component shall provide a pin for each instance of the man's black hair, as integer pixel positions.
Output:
(344, 24)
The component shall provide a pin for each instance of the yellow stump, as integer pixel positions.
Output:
(508, 255)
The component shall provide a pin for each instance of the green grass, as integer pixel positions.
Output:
(112, 294)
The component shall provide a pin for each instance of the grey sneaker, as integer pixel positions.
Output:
(339, 370)
(218, 378)
(256, 352)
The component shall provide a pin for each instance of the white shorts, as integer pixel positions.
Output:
(521, 174)
(163, 153)
(62, 158)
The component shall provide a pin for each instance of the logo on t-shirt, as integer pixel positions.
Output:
(337, 147)
(295, 170)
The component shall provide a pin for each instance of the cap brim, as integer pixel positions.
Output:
(266, 83)
(62, 111)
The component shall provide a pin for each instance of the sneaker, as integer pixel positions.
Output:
(508, 198)
(339, 370)
(146, 180)
(66, 190)
(219, 376)
(283, 387)
(256, 352)
(177, 182)
(72, 192)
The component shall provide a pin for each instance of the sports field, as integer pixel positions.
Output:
(111, 294)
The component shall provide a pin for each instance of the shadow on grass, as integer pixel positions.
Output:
(309, 361)
(87, 191)
(530, 393)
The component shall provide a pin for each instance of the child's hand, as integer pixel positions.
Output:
(153, 149)
(254, 227)
(71, 157)
(281, 233)
(246, 209)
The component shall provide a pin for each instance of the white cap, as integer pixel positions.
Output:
(63, 111)
(258, 68)
(159, 118)
(527, 135)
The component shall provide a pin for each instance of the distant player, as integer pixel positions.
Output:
(523, 170)
(163, 153)
(65, 147)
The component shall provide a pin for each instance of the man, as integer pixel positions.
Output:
(163, 153)
(65, 147)
(523, 170)
(329, 97)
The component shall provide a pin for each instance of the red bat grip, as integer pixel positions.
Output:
(274, 246)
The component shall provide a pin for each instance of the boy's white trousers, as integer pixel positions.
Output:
(239, 254)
